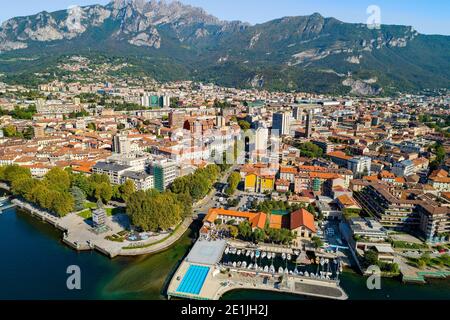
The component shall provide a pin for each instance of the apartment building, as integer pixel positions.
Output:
(393, 213)
(434, 222)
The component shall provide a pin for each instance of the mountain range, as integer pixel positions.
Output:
(174, 41)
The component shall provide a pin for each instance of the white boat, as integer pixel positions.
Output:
(263, 255)
(233, 250)
(239, 264)
(300, 273)
(252, 254)
(296, 271)
(266, 268)
(234, 264)
(296, 252)
(255, 266)
(272, 269)
(257, 254)
(306, 274)
(280, 270)
(227, 250)
(269, 255)
(239, 252)
(244, 264)
(289, 257)
(283, 256)
(290, 272)
(250, 266)
(247, 253)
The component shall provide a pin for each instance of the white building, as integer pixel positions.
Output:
(360, 165)
(404, 168)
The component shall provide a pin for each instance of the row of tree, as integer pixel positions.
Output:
(279, 236)
(153, 211)
(197, 184)
(11, 131)
(50, 193)
(62, 191)
(233, 182)
(268, 206)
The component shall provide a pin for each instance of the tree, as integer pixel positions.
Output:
(154, 211)
(312, 209)
(245, 229)
(318, 243)
(62, 203)
(127, 189)
(81, 181)
(103, 192)
(245, 125)
(28, 133)
(259, 235)
(12, 172)
(58, 179)
(23, 186)
(234, 231)
(309, 149)
(92, 126)
(233, 182)
(371, 257)
(10, 131)
(79, 198)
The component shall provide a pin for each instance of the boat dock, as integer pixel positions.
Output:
(202, 276)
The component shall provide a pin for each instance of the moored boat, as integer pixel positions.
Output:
(239, 252)
(283, 256)
(280, 270)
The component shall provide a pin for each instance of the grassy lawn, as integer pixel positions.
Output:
(87, 214)
(409, 245)
(90, 205)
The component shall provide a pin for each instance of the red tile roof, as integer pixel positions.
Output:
(302, 218)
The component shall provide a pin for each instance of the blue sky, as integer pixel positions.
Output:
(430, 17)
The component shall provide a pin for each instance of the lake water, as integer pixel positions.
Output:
(34, 263)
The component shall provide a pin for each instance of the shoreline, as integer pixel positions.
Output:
(82, 241)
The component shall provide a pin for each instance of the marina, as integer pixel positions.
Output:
(225, 268)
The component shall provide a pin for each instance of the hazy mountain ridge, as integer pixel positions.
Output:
(293, 53)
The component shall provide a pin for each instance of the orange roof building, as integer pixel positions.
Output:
(302, 219)
(257, 220)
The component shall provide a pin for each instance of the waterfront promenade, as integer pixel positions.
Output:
(78, 234)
